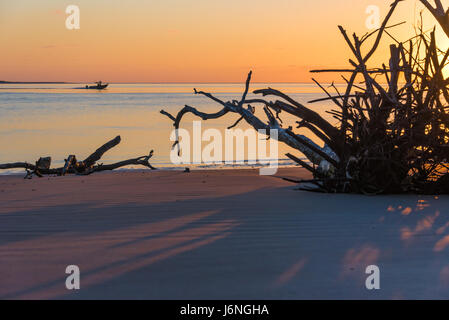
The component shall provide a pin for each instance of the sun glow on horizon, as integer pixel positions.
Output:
(172, 41)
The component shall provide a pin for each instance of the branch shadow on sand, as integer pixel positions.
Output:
(273, 243)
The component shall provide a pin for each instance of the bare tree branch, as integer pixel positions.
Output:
(299, 142)
(439, 13)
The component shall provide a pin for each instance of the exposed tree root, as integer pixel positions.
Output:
(392, 133)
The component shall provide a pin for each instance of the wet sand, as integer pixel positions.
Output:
(228, 234)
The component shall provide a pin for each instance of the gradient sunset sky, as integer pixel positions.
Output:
(184, 41)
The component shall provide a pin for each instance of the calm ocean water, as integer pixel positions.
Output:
(57, 120)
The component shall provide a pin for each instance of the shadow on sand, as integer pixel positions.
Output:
(274, 243)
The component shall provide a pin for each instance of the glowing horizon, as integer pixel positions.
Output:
(173, 41)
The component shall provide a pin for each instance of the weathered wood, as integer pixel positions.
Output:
(71, 166)
(141, 161)
(301, 163)
(439, 13)
(299, 142)
(391, 136)
(94, 157)
(43, 163)
(17, 165)
(70, 162)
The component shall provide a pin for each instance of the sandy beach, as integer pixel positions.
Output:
(212, 234)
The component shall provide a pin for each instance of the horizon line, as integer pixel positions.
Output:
(159, 82)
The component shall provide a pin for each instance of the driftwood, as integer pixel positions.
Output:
(441, 15)
(392, 135)
(318, 155)
(85, 167)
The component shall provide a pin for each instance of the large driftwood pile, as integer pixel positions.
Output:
(393, 127)
(73, 166)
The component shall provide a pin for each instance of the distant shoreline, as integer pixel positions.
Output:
(34, 82)
(61, 82)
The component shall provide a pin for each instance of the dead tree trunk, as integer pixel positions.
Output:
(323, 157)
(391, 136)
(85, 167)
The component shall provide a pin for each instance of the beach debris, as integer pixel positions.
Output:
(390, 132)
(41, 164)
(73, 166)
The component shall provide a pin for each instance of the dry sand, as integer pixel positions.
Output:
(228, 234)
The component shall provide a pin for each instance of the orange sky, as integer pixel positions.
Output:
(183, 40)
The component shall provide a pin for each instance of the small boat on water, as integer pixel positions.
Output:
(99, 86)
